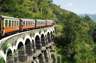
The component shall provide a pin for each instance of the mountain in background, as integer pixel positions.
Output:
(73, 37)
(92, 16)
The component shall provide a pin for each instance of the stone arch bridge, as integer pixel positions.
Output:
(34, 46)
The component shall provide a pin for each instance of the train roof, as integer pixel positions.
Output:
(24, 19)
(9, 18)
(5, 16)
(50, 20)
(40, 20)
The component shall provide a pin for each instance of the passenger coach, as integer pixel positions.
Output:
(9, 25)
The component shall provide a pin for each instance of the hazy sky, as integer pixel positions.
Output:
(78, 6)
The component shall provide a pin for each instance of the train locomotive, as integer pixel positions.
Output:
(9, 25)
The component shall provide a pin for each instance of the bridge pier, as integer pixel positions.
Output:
(28, 47)
(46, 56)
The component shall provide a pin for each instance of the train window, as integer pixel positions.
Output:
(25, 23)
(29, 23)
(6, 22)
(17, 23)
(14, 23)
(32, 23)
(9, 23)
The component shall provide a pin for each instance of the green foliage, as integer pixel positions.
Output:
(2, 60)
(75, 43)
(73, 33)
(27, 8)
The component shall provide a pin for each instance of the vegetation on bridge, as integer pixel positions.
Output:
(73, 33)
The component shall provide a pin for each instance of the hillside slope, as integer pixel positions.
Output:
(73, 36)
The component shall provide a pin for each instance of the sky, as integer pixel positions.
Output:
(78, 6)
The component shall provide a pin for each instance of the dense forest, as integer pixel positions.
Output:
(73, 36)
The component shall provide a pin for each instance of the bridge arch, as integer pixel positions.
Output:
(18, 41)
(27, 37)
(52, 36)
(48, 37)
(43, 42)
(28, 47)
(21, 52)
(38, 42)
(9, 56)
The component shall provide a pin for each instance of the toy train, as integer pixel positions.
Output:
(11, 24)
